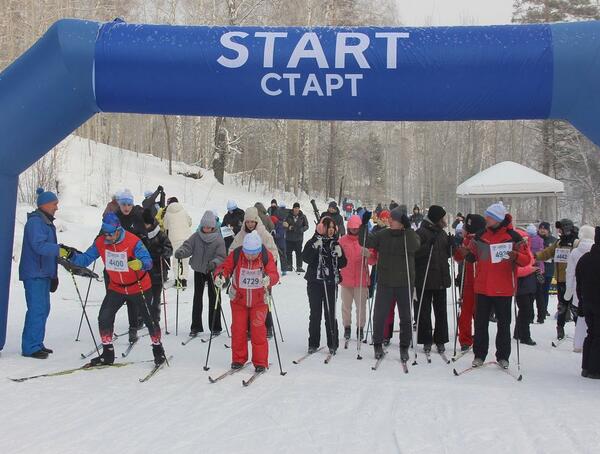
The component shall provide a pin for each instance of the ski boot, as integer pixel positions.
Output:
(529, 341)
(194, 332)
(386, 342)
(560, 332)
(259, 369)
(312, 350)
(236, 366)
(270, 332)
(133, 336)
(503, 363)
(332, 351)
(404, 354)
(464, 348)
(441, 348)
(427, 348)
(347, 332)
(159, 354)
(106, 358)
(378, 351)
(477, 362)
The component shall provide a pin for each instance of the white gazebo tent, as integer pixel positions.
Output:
(510, 180)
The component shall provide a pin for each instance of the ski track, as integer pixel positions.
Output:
(341, 407)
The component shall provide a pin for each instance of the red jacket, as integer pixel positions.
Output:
(353, 253)
(469, 273)
(497, 279)
(248, 297)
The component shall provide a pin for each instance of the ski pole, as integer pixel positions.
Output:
(223, 316)
(327, 313)
(155, 328)
(421, 300)
(164, 294)
(220, 306)
(371, 304)
(363, 263)
(454, 311)
(87, 294)
(269, 306)
(85, 312)
(178, 284)
(410, 299)
(212, 328)
(276, 316)
(517, 326)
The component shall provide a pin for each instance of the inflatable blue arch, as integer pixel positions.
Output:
(79, 68)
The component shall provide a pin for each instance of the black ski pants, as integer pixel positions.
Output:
(319, 302)
(502, 306)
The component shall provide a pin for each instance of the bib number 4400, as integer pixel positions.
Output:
(116, 261)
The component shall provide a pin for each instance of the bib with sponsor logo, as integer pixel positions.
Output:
(226, 231)
(116, 261)
(500, 251)
(250, 279)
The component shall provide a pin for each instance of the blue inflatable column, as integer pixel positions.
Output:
(8, 197)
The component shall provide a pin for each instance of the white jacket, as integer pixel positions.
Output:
(583, 247)
(177, 223)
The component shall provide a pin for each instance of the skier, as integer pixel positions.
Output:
(234, 218)
(206, 248)
(586, 241)
(416, 218)
(273, 208)
(355, 279)
(150, 203)
(253, 272)
(129, 214)
(588, 295)
(542, 303)
(37, 270)
(497, 250)
(333, 212)
(280, 242)
(264, 217)
(525, 296)
(536, 244)
(177, 223)
(395, 247)
(432, 279)
(473, 225)
(160, 250)
(128, 263)
(560, 251)
(296, 224)
(324, 257)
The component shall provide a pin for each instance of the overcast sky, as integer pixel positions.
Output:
(454, 12)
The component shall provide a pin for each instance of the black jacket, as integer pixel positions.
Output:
(329, 272)
(235, 219)
(297, 225)
(160, 248)
(337, 218)
(133, 222)
(438, 276)
(149, 203)
(588, 284)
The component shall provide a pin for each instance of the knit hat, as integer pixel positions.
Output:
(208, 219)
(436, 213)
(296, 205)
(544, 225)
(110, 223)
(252, 243)
(333, 204)
(231, 205)
(251, 214)
(44, 197)
(354, 222)
(496, 211)
(566, 225)
(281, 204)
(586, 232)
(171, 200)
(273, 202)
(474, 223)
(148, 218)
(531, 230)
(384, 214)
(125, 197)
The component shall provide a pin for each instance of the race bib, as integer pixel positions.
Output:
(226, 231)
(250, 279)
(561, 255)
(116, 261)
(500, 251)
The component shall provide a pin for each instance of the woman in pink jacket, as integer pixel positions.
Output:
(353, 288)
(525, 295)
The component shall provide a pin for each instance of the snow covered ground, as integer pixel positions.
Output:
(343, 406)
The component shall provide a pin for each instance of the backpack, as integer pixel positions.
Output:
(238, 251)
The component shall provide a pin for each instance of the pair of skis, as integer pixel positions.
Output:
(516, 375)
(378, 362)
(115, 336)
(230, 372)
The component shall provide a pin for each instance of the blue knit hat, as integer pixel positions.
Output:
(252, 243)
(125, 197)
(44, 197)
(496, 211)
(110, 223)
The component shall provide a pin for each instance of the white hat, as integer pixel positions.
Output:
(252, 243)
(496, 211)
(531, 230)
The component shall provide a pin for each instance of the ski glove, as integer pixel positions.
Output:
(211, 266)
(366, 217)
(66, 252)
(318, 244)
(135, 264)
(337, 251)
(219, 281)
(365, 252)
(266, 281)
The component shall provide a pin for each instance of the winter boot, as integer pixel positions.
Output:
(560, 332)
(347, 332)
(47, 350)
(503, 363)
(159, 354)
(236, 366)
(106, 358)
(259, 369)
(529, 341)
(312, 350)
(441, 348)
(40, 354)
(427, 348)
(386, 342)
(378, 351)
(477, 362)
(465, 348)
(133, 336)
(194, 332)
(332, 351)
(404, 354)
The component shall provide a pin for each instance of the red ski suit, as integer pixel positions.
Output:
(467, 309)
(249, 302)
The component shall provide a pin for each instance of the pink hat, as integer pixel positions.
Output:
(354, 222)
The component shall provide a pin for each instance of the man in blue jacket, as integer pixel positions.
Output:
(37, 270)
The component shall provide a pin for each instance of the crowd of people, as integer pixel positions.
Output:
(402, 261)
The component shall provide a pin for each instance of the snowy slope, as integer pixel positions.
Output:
(340, 407)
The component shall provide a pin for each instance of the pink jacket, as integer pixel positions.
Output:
(351, 272)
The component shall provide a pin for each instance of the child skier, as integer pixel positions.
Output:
(127, 263)
(253, 272)
(324, 257)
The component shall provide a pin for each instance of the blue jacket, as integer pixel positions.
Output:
(40, 248)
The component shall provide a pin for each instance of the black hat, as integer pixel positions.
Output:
(474, 223)
(566, 225)
(273, 202)
(544, 225)
(436, 213)
(333, 204)
(171, 200)
(459, 215)
(393, 205)
(296, 205)
(148, 218)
